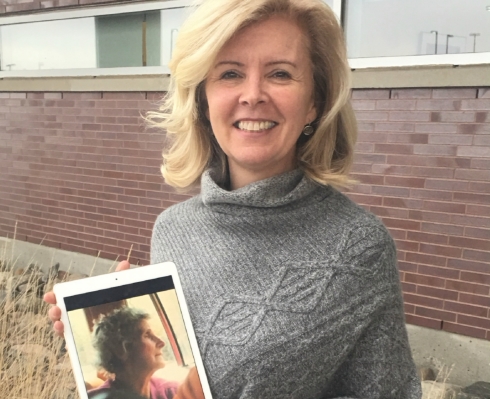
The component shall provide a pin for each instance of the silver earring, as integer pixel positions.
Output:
(308, 130)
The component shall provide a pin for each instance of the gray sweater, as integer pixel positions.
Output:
(293, 291)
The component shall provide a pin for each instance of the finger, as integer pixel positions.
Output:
(49, 297)
(54, 313)
(123, 265)
(59, 328)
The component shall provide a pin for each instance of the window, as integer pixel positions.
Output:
(112, 41)
(138, 38)
(417, 28)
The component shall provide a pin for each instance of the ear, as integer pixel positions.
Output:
(311, 115)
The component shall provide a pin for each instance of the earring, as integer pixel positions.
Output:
(308, 130)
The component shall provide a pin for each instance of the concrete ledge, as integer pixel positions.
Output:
(135, 83)
(469, 357)
(423, 77)
(21, 254)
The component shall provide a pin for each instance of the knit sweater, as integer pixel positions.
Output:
(293, 291)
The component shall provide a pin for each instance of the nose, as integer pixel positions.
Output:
(159, 342)
(253, 91)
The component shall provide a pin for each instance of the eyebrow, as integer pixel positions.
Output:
(239, 64)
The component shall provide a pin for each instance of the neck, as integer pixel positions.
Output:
(134, 381)
(240, 177)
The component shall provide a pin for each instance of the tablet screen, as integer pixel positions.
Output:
(121, 330)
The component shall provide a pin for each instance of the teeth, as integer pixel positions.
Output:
(255, 126)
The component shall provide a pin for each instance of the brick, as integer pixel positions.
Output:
(398, 234)
(431, 194)
(479, 187)
(364, 147)
(408, 308)
(477, 278)
(474, 321)
(405, 181)
(411, 93)
(412, 138)
(391, 169)
(397, 127)
(449, 207)
(477, 233)
(429, 216)
(473, 151)
(476, 104)
(424, 280)
(464, 330)
(473, 128)
(427, 238)
(435, 314)
(408, 203)
(482, 256)
(470, 221)
(463, 286)
(389, 212)
(365, 127)
(401, 224)
(456, 139)
(363, 105)
(408, 267)
(410, 116)
(370, 158)
(449, 185)
(446, 128)
(465, 309)
(437, 293)
(474, 299)
(423, 301)
(441, 272)
(391, 191)
(422, 149)
(480, 164)
(423, 321)
(372, 137)
(454, 93)
(401, 105)
(462, 264)
(462, 242)
(472, 174)
(370, 94)
(372, 115)
(438, 105)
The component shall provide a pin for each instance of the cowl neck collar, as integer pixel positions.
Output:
(276, 191)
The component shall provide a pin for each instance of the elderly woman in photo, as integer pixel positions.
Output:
(293, 289)
(129, 350)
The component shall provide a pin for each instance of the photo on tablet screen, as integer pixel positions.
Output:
(133, 333)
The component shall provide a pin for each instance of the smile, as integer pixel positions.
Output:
(255, 126)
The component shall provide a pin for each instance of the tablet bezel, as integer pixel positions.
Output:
(118, 279)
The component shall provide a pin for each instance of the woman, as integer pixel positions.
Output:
(293, 289)
(130, 351)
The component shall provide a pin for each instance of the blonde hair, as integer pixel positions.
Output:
(325, 156)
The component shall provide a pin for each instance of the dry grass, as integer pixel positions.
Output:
(33, 362)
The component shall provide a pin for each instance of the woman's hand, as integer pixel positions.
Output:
(55, 312)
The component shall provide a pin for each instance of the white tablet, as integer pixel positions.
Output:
(129, 336)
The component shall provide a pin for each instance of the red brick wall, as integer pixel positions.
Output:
(79, 172)
(423, 161)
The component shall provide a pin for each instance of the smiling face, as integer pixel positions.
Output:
(146, 354)
(260, 96)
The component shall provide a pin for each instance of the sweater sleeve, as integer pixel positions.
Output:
(380, 364)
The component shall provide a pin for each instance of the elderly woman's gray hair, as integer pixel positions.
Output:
(113, 335)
